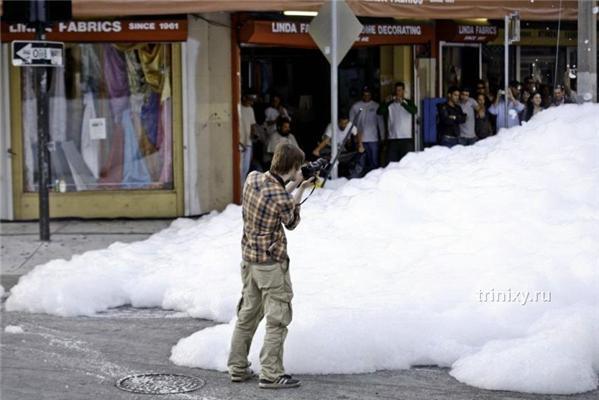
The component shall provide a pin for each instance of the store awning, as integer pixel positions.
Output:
(543, 10)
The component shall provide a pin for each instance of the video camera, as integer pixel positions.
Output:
(312, 169)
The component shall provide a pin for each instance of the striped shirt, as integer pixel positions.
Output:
(267, 206)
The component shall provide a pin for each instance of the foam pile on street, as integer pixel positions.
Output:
(14, 329)
(484, 259)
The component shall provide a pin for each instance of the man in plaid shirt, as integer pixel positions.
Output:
(268, 205)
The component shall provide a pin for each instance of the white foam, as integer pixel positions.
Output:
(13, 329)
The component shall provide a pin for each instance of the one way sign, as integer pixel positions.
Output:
(37, 53)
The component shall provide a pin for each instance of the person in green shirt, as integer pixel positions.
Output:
(398, 112)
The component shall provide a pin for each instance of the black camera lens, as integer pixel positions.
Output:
(313, 168)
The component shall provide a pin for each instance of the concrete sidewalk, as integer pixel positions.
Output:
(78, 358)
(21, 249)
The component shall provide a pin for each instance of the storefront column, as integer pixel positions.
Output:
(587, 49)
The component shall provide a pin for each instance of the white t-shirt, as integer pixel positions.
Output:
(340, 134)
(245, 127)
(277, 138)
(467, 128)
(271, 114)
(369, 122)
(400, 122)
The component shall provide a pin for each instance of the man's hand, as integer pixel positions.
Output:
(361, 148)
(316, 153)
(307, 183)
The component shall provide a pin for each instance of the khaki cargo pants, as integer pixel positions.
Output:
(266, 292)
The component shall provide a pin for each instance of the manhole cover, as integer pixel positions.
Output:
(159, 383)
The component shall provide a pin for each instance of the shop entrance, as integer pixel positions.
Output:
(301, 79)
(461, 65)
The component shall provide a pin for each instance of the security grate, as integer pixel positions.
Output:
(159, 383)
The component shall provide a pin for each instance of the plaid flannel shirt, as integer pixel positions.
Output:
(267, 206)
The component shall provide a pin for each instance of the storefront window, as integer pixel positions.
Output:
(110, 118)
(539, 62)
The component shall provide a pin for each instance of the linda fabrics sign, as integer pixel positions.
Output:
(450, 31)
(118, 30)
(296, 34)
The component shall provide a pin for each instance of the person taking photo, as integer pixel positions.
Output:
(268, 206)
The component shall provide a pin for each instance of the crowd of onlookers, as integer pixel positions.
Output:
(369, 135)
(469, 116)
(372, 134)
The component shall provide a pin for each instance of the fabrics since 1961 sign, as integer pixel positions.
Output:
(117, 30)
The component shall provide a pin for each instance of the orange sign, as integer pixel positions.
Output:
(117, 30)
(296, 34)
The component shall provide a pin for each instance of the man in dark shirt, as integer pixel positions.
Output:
(267, 206)
(450, 116)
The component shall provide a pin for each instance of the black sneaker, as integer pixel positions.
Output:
(282, 382)
(244, 376)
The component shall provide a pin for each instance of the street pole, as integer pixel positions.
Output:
(587, 51)
(506, 53)
(334, 87)
(43, 155)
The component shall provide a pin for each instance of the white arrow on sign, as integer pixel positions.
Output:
(37, 53)
(25, 53)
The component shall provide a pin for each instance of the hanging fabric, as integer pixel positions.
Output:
(135, 172)
(150, 111)
(29, 116)
(117, 87)
(91, 68)
(57, 116)
(151, 57)
(90, 148)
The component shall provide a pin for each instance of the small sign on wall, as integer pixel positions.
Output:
(97, 128)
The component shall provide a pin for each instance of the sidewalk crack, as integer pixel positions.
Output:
(30, 256)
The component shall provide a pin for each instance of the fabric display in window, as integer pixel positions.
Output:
(29, 117)
(128, 86)
(131, 170)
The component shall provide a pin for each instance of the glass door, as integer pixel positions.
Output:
(460, 65)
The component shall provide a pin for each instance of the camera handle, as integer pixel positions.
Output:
(339, 151)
